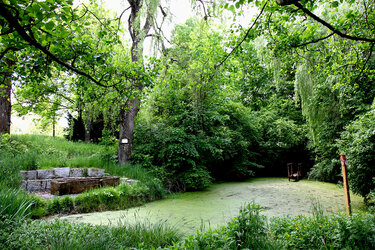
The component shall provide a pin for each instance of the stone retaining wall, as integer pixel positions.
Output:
(40, 180)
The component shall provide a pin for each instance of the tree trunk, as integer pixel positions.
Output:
(128, 115)
(131, 108)
(5, 102)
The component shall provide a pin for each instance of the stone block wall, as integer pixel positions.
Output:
(40, 180)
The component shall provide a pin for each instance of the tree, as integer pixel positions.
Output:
(5, 97)
(129, 111)
(86, 53)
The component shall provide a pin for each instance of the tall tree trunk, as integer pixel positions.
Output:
(131, 108)
(128, 115)
(5, 101)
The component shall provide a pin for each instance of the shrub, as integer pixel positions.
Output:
(197, 178)
(358, 143)
(54, 206)
(66, 204)
(322, 231)
(248, 230)
(325, 170)
(87, 202)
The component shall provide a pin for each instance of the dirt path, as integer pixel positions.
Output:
(221, 202)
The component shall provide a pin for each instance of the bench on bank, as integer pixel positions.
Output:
(294, 173)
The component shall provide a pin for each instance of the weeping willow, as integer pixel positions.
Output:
(319, 102)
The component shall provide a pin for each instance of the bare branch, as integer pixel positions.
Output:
(243, 39)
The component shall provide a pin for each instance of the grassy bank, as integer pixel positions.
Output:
(30, 152)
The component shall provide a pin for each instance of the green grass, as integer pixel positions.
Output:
(14, 204)
(25, 152)
(49, 152)
(64, 235)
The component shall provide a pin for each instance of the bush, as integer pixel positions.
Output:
(326, 170)
(358, 143)
(329, 232)
(112, 198)
(197, 178)
(246, 231)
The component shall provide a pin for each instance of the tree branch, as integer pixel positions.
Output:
(6, 51)
(329, 26)
(13, 22)
(364, 65)
(313, 41)
(243, 39)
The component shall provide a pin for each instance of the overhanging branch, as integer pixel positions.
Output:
(243, 39)
(324, 23)
(13, 22)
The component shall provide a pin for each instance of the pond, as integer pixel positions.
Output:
(218, 204)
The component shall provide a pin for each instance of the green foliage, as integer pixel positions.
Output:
(358, 143)
(197, 178)
(64, 235)
(248, 230)
(14, 204)
(111, 198)
(322, 231)
(25, 152)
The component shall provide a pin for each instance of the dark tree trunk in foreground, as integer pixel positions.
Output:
(5, 102)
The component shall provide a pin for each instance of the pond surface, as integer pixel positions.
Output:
(221, 202)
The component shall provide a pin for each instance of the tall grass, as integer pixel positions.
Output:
(43, 152)
(64, 235)
(14, 203)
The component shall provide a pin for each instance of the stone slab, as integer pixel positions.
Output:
(62, 172)
(110, 181)
(80, 184)
(127, 180)
(95, 172)
(47, 183)
(35, 185)
(24, 185)
(28, 175)
(77, 172)
(45, 174)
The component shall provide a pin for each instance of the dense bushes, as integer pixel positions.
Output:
(227, 143)
(322, 231)
(358, 143)
(186, 153)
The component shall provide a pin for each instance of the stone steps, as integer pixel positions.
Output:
(43, 180)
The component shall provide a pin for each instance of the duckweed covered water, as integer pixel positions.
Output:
(221, 202)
